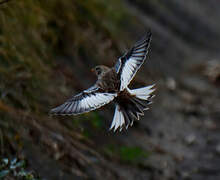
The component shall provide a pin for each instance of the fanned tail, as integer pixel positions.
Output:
(143, 93)
(128, 108)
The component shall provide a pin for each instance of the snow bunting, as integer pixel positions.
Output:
(112, 85)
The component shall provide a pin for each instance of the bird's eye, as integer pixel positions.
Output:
(98, 71)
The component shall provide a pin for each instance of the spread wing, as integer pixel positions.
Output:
(85, 101)
(128, 65)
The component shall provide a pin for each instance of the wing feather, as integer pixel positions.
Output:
(128, 65)
(86, 101)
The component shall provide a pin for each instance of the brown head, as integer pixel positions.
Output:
(100, 70)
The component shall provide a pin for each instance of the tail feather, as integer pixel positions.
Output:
(132, 107)
(143, 93)
(122, 121)
(115, 118)
(135, 105)
(140, 107)
(121, 118)
(133, 113)
(128, 118)
(143, 103)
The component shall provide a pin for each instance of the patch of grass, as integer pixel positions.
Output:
(86, 134)
(127, 154)
(15, 168)
(96, 120)
(132, 154)
(92, 118)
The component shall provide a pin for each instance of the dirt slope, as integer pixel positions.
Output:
(47, 49)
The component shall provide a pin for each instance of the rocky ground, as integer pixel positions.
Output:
(46, 47)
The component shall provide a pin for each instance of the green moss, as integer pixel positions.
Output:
(127, 154)
(95, 120)
(86, 134)
(132, 154)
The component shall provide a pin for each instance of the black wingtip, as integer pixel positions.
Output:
(149, 32)
(59, 109)
(53, 112)
(148, 35)
(146, 38)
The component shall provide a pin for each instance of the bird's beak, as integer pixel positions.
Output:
(92, 70)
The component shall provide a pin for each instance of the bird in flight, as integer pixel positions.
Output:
(112, 85)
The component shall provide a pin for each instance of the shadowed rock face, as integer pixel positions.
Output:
(182, 31)
(46, 54)
(196, 23)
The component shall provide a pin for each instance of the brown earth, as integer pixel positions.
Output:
(47, 49)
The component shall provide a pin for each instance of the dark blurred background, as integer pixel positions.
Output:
(47, 48)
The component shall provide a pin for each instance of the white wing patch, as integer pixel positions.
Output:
(129, 64)
(143, 93)
(128, 72)
(84, 102)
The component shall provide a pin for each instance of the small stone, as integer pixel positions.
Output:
(218, 149)
(191, 139)
(213, 70)
(186, 175)
(57, 156)
(171, 83)
(187, 97)
(210, 125)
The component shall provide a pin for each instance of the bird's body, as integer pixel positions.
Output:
(109, 81)
(112, 85)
